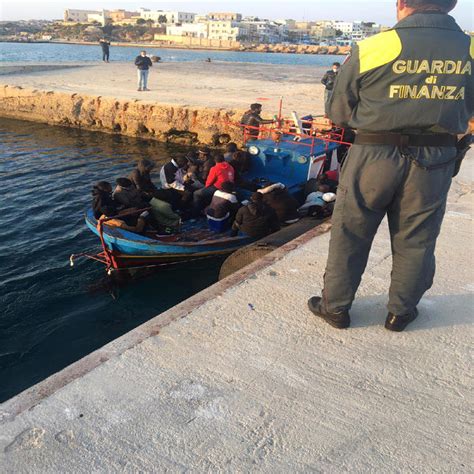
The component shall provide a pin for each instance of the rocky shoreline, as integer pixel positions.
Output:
(260, 48)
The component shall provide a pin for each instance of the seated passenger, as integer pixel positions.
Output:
(140, 177)
(104, 206)
(192, 178)
(224, 205)
(331, 179)
(172, 174)
(282, 202)
(240, 163)
(319, 204)
(220, 173)
(166, 219)
(230, 149)
(127, 195)
(206, 162)
(256, 220)
(102, 200)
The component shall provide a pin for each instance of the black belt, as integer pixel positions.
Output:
(401, 139)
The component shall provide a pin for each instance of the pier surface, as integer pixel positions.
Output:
(188, 102)
(216, 85)
(242, 377)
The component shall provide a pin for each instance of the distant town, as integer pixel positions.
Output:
(229, 30)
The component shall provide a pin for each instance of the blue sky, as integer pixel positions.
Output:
(382, 11)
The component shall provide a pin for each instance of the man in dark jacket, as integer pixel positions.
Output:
(102, 202)
(224, 202)
(253, 120)
(143, 63)
(127, 195)
(408, 92)
(105, 45)
(282, 202)
(256, 219)
(328, 80)
(140, 177)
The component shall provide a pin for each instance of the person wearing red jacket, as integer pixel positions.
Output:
(221, 173)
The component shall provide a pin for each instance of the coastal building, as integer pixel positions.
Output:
(98, 17)
(161, 16)
(120, 16)
(262, 31)
(224, 16)
(226, 30)
(192, 30)
(78, 16)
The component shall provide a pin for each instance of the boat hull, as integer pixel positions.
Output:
(128, 250)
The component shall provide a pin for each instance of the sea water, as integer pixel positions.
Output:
(58, 53)
(51, 314)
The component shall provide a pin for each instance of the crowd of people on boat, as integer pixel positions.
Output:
(205, 184)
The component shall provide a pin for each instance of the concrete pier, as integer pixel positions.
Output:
(242, 377)
(188, 102)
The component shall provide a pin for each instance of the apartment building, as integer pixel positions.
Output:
(172, 17)
(226, 30)
(262, 31)
(79, 16)
(191, 30)
(224, 16)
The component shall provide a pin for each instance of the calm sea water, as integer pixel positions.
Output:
(46, 52)
(52, 314)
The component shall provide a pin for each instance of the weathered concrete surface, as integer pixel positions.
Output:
(188, 102)
(105, 114)
(250, 381)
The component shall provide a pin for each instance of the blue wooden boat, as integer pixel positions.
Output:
(292, 159)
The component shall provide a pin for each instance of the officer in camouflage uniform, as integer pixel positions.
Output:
(408, 92)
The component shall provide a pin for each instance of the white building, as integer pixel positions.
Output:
(193, 30)
(99, 17)
(172, 17)
(347, 27)
(79, 16)
(262, 31)
(224, 16)
(225, 30)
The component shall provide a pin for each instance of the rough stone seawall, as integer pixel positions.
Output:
(165, 123)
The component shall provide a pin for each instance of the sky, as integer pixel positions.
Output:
(380, 11)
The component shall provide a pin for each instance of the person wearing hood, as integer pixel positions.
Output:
(219, 174)
(282, 202)
(256, 220)
(105, 206)
(102, 201)
(127, 195)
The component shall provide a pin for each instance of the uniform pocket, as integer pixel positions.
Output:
(339, 208)
(432, 157)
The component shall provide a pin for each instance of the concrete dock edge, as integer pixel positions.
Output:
(35, 394)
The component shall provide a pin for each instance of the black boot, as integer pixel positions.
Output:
(339, 320)
(399, 323)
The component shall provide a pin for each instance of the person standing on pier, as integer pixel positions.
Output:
(105, 45)
(409, 93)
(143, 63)
(328, 81)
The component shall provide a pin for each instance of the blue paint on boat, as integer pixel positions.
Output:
(286, 161)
